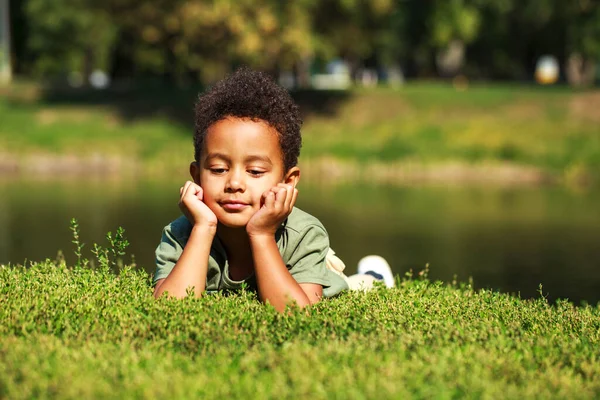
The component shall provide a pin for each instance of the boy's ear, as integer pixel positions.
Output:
(195, 172)
(292, 177)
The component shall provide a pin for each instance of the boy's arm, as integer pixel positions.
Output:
(274, 282)
(313, 291)
(192, 267)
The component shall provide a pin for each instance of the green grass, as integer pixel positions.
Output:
(91, 333)
(555, 129)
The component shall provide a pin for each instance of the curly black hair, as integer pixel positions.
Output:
(254, 95)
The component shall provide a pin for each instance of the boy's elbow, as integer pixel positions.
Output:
(157, 285)
(289, 302)
(313, 291)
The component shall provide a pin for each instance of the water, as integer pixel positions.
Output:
(509, 240)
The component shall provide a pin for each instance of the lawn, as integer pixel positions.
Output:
(91, 333)
(554, 130)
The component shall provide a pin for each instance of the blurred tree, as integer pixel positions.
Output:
(190, 40)
(355, 30)
(266, 34)
(452, 25)
(518, 33)
(204, 39)
(582, 21)
(69, 36)
(5, 51)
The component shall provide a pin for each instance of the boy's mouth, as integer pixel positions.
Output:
(233, 205)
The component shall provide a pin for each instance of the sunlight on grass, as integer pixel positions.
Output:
(107, 335)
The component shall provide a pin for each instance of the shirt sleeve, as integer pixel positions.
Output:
(167, 253)
(306, 262)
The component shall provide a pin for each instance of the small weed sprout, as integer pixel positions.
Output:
(543, 297)
(108, 257)
(117, 247)
(81, 262)
(101, 255)
(60, 258)
(423, 274)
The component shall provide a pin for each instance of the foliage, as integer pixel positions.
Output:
(200, 40)
(81, 261)
(79, 332)
(582, 33)
(454, 19)
(351, 29)
(70, 36)
(205, 38)
(107, 257)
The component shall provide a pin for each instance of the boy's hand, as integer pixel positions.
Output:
(192, 206)
(277, 204)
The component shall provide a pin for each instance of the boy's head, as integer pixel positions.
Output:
(247, 141)
(250, 95)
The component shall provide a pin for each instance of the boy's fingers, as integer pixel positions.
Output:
(280, 198)
(270, 199)
(264, 196)
(195, 188)
(185, 188)
(191, 190)
(285, 197)
(294, 197)
(199, 192)
(182, 190)
(275, 190)
(288, 195)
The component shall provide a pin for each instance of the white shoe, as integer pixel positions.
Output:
(377, 267)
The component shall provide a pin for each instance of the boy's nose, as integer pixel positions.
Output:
(235, 183)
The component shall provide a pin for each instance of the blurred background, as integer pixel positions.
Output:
(459, 134)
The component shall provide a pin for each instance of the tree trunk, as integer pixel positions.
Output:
(5, 62)
(580, 71)
(302, 70)
(450, 60)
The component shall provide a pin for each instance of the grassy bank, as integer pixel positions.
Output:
(419, 130)
(83, 333)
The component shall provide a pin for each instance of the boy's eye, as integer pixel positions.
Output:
(218, 170)
(255, 172)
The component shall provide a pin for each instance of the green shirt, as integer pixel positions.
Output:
(302, 241)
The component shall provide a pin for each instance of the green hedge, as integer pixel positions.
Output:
(92, 333)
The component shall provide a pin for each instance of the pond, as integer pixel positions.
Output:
(507, 239)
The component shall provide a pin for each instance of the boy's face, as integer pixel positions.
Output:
(241, 160)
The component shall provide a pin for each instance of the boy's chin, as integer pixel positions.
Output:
(234, 223)
(235, 220)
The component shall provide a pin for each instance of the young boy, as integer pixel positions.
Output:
(240, 223)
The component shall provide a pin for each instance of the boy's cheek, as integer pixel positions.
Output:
(210, 203)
